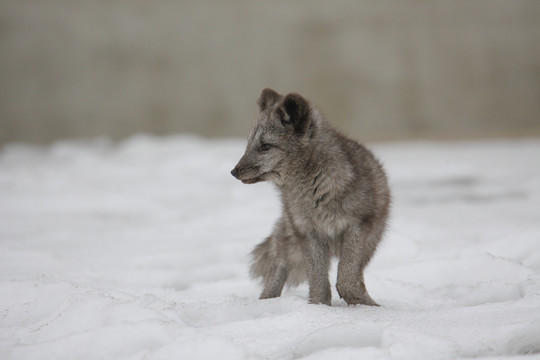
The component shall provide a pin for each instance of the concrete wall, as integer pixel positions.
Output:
(377, 69)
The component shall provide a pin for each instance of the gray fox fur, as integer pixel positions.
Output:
(335, 200)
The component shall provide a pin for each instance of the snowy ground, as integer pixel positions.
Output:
(139, 250)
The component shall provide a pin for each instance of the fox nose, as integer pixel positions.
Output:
(234, 172)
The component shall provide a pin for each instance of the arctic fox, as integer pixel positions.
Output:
(335, 200)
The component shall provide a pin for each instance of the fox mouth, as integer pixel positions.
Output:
(244, 178)
(253, 180)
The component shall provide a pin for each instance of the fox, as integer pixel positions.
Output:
(335, 201)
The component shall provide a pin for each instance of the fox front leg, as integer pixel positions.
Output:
(355, 255)
(318, 260)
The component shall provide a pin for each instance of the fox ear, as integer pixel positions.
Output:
(268, 98)
(297, 110)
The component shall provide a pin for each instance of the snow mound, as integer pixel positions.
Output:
(139, 250)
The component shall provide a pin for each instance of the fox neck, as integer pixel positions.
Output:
(322, 167)
(301, 171)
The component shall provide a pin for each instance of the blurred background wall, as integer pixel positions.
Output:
(379, 70)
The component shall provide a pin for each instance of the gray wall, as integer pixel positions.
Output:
(377, 69)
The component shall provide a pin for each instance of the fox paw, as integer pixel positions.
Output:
(355, 296)
(323, 297)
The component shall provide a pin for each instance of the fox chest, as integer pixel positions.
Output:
(324, 219)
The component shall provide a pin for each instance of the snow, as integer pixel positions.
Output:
(139, 250)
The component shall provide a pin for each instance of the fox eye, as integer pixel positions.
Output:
(266, 147)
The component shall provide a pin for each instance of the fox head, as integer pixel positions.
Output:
(280, 137)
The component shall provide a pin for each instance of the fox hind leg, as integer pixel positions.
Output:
(270, 266)
(274, 281)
